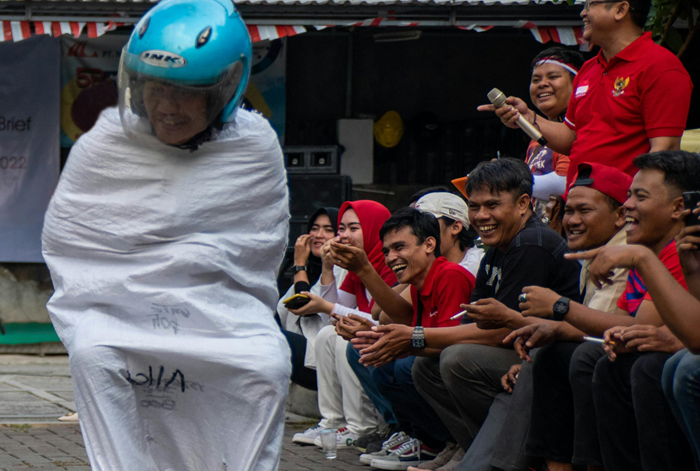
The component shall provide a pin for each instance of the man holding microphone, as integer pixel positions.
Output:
(632, 98)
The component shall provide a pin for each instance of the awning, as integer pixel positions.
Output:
(19, 30)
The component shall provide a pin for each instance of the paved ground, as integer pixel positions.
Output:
(34, 391)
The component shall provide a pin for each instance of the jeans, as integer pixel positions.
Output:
(395, 383)
(364, 374)
(681, 384)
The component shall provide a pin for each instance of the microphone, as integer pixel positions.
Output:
(498, 99)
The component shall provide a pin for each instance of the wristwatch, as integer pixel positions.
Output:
(418, 337)
(298, 268)
(561, 307)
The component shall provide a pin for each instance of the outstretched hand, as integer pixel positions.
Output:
(606, 259)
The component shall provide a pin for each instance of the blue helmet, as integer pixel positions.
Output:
(200, 46)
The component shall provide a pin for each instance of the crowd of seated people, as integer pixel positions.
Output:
(555, 355)
(547, 321)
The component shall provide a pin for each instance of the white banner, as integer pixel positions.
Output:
(29, 143)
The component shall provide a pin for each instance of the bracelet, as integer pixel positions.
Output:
(534, 122)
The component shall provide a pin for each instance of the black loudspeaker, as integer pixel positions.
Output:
(307, 193)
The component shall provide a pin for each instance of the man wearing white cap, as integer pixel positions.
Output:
(456, 236)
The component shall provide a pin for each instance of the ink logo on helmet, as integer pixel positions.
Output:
(164, 59)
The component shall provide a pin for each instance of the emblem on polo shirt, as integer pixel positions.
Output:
(620, 85)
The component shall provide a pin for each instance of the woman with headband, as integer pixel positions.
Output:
(551, 85)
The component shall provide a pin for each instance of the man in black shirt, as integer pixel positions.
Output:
(462, 383)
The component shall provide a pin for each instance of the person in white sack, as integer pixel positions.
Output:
(164, 238)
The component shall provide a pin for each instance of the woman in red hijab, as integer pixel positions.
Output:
(341, 399)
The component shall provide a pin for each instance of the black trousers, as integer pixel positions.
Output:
(636, 427)
(301, 375)
(563, 426)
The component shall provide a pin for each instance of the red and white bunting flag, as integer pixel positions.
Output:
(541, 34)
(5, 31)
(20, 30)
(42, 27)
(567, 36)
(95, 30)
(60, 28)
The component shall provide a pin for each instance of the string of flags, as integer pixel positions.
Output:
(19, 30)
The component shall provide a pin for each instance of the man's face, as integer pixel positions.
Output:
(409, 260)
(496, 217)
(650, 209)
(589, 221)
(598, 21)
(350, 230)
(176, 115)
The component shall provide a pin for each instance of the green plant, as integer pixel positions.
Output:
(662, 20)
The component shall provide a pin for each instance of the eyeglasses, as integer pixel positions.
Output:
(587, 5)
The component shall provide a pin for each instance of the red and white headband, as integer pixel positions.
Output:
(555, 61)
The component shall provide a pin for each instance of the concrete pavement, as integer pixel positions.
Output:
(35, 391)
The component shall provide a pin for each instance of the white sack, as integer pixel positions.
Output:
(164, 264)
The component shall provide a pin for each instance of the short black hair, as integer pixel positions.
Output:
(433, 189)
(506, 174)
(466, 236)
(639, 10)
(561, 54)
(681, 169)
(422, 225)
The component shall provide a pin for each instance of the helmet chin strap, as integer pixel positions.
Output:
(199, 139)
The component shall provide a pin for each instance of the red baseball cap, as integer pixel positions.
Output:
(608, 180)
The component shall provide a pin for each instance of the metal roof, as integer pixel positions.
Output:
(318, 12)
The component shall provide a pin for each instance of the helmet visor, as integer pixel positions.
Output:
(171, 111)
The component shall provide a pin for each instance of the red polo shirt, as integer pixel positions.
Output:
(446, 287)
(617, 106)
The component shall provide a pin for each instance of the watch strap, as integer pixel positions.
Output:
(298, 268)
(418, 337)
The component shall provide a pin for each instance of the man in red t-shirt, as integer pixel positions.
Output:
(632, 98)
(412, 250)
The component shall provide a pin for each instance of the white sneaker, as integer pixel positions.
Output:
(345, 438)
(308, 437)
(394, 441)
(69, 417)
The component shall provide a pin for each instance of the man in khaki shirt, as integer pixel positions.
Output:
(562, 370)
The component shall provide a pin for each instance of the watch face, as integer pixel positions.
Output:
(560, 308)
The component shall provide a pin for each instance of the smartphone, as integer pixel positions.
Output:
(296, 301)
(690, 201)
